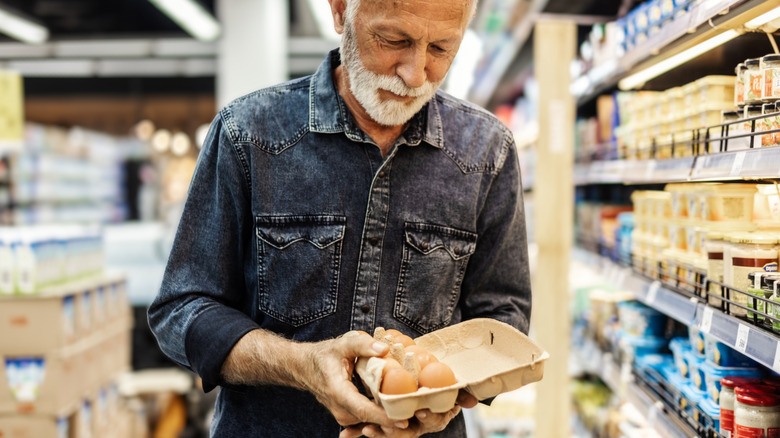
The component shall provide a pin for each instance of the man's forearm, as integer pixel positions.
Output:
(261, 357)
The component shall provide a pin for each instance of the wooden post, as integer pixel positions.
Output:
(553, 193)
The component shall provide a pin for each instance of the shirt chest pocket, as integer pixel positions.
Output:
(432, 269)
(298, 265)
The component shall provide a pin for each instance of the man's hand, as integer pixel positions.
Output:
(424, 421)
(329, 378)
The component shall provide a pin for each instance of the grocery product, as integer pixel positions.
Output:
(696, 371)
(712, 411)
(713, 376)
(722, 355)
(753, 81)
(767, 124)
(751, 112)
(679, 347)
(739, 84)
(727, 206)
(756, 411)
(770, 71)
(697, 340)
(728, 400)
(715, 247)
(637, 319)
(689, 403)
(750, 252)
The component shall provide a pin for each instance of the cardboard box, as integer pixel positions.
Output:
(488, 358)
(34, 325)
(51, 384)
(35, 426)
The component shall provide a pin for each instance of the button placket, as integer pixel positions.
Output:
(367, 281)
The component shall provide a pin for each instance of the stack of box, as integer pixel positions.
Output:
(61, 353)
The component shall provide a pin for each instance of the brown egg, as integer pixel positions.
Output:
(399, 337)
(437, 375)
(390, 364)
(424, 357)
(398, 381)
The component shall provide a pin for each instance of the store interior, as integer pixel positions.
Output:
(648, 134)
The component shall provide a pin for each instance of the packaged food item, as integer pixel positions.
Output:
(691, 397)
(753, 126)
(696, 371)
(713, 376)
(679, 347)
(728, 400)
(715, 247)
(697, 341)
(774, 309)
(761, 286)
(722, 355)
(754, 82)
(728, 206)
(750, 252)
(739, 85)
(767, 123)
(715, 92)
(712, 411)
(770, 71)
(756, 411)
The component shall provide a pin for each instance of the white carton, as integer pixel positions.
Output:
(488, 358)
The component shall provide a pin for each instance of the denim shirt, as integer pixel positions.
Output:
(296, 223)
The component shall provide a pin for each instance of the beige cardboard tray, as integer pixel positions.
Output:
(488, 358)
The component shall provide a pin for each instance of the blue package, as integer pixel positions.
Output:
(722, 355)
(710, 409)
(637, 319)
(713, 374)
(696, 373)
(697, 340)
(691, 397)
(678, 347)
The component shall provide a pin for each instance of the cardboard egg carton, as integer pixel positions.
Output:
(488, 358)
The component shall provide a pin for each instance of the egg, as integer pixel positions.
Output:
(424, 357)
(390, 364)
(437, 375)
(398, 381)
(399, 337)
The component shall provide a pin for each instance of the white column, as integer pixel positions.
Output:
(252, 48)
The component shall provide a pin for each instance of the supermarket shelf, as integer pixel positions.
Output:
(72, 287)
(665, 300)
(757, 163)
(667, 424)
(704, 21)
(752, 341)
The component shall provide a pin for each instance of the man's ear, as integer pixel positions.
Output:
(337, 9)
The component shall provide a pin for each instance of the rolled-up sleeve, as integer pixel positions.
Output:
(497, 283)
(202, 309)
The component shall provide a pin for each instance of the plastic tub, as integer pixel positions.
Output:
(696, 371)
(637, 319)
(721, 355)
(637, 346)
(728, 205)
(770, 71)
(713, 375)
(679, 347)
(697, 340)
(710, 409)
(716, 91)
(753, 81)
(689, 403)
(750, 252)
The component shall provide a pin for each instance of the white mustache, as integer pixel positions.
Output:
(396, 85)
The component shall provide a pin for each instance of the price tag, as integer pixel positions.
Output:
(652, 292)
(736, 166)
(742, 338)
(650, 170)
(776, 364)
(706, 320)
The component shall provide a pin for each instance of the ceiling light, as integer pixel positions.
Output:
(763, 19)
(192, 17)
(21, 28)
(640, 78)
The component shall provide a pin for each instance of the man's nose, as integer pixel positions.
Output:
(412, 67)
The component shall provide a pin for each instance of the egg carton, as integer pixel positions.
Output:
(488, 357)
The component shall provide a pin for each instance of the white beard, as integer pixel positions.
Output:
(365, 86)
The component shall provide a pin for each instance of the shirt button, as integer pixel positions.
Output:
(365, 308)
(381, 173)
(280, 239)
(373, 241)
(457, 251)
(323, 241)
(424, 245)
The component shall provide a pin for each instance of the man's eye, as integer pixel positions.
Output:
(395, 42)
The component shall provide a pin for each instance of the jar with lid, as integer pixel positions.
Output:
(756, 411)
(754, 83)
(774, 308)
(727, 401)
(714, 246)
(739, 85)
(761, 285)
(770, 73)
(750, 252)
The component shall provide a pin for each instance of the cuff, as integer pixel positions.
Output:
(210, 337)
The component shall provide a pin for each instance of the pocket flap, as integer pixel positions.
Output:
(282, 231)
(427, 238)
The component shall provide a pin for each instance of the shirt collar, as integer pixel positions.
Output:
(329, 114)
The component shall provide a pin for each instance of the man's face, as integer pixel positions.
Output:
(397, 52)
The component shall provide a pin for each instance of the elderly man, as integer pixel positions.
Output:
(355, 198)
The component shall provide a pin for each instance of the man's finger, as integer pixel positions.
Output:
(466, 400)
(362, 345)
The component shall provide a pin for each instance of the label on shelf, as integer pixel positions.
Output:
(736, 166)
(776, 364)
(652, 292)
(742, 338)
(706, 320)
